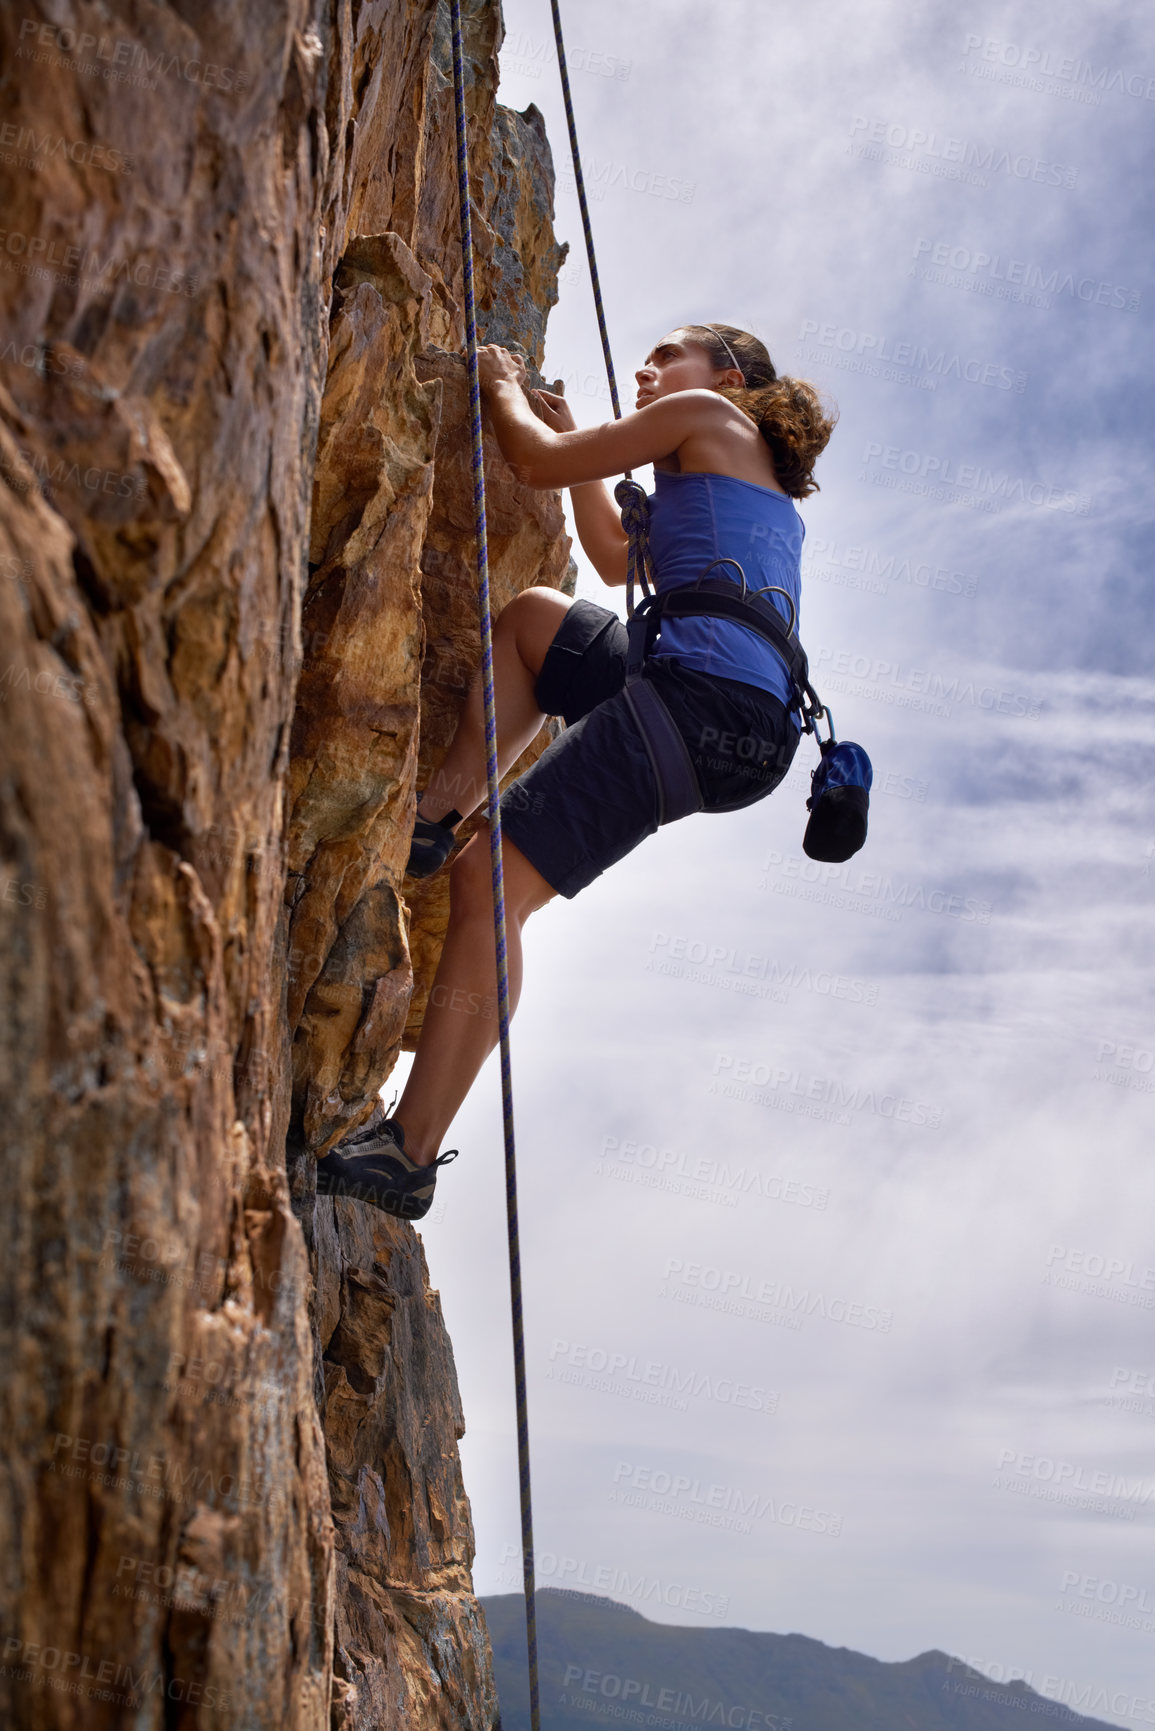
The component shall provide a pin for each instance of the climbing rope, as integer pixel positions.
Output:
(631, 497)
(486, 621)
(587, 226)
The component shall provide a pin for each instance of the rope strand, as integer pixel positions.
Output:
(628, 494)
(587, 226)
(486, 622)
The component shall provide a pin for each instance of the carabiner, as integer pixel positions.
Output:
(702, 575)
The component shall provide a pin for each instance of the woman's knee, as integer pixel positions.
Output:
(532, 603)
(532, 620)
(471, 883)
(471, 880)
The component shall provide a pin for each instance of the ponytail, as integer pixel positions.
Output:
(789, 413)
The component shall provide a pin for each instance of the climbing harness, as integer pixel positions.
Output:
(710, 597)
(839, 786)
(492, 780)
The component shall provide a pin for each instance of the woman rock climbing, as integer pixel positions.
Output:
(732, 446)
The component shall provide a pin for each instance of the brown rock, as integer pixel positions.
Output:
(160, 359)
(354, 736)
(215, 273)
(393, 548)
(411, 1647)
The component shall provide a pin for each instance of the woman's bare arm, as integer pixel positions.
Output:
(542, 457)
(599, 528)
(596, 518)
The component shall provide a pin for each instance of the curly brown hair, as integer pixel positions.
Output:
(789, 413)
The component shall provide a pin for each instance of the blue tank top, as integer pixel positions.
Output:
(697, 518)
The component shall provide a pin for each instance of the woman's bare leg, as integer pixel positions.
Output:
(460, 1028)
(521, 637)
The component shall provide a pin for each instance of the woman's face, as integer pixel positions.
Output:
(677, 363)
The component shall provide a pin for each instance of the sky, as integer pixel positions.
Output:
(836, 1182)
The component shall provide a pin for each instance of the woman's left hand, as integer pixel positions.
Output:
(555, 411)
(496, 366)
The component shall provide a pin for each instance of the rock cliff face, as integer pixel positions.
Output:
(237, 614)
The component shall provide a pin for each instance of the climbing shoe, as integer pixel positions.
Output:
(371, 1165)
(366, 1131)
(431, 846)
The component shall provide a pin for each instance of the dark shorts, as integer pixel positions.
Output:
(591, 796)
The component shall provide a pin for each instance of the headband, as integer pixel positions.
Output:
(728, 350)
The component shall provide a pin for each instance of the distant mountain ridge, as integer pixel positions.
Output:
(602, 1663)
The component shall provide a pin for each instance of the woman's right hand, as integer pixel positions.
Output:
(497, 366)
(554, 411)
